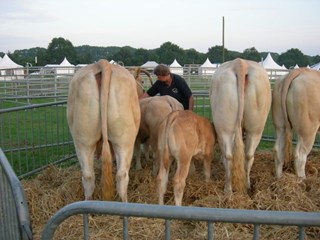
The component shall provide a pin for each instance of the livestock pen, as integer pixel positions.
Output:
(35, 137)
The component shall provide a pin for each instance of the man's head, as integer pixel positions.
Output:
(163, 73)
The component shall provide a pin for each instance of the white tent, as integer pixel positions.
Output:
(273, 68)
(269, 63)
(65, 67)
(9, 70)
(316, 66)
(208, 68)
(176, 68)
(149, 65)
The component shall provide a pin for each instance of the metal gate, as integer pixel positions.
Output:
(168, 213)
(14, 213)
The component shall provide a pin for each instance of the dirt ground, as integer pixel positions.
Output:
(56, 187)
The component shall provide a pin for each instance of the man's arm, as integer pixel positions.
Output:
(145, 95)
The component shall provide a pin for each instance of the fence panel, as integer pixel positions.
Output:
(168, 213)
(34, 136)
(14, 213)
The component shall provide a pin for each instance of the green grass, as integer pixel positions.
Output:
(35, 137)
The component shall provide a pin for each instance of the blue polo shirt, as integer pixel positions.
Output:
(178, 89)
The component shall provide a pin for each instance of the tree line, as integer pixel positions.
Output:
(59, 48)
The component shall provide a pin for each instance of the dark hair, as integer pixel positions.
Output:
(161, 70)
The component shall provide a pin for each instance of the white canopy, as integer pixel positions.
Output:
(149, 64)
(273, 68)
(6, 63)
(176, 68)
(316, 66)
(65, 67)
(9, 70)
(208, 68)
(66, 63)
(269, 63)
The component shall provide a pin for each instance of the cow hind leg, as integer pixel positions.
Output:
(123, 158)
(86, 159)
(163, 175)
(279, 151)
(227, 162)
(252, 141)
(303, 148)
(137, 153)
(207, 168)
(179, 181)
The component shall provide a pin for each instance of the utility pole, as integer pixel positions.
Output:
(222, 39)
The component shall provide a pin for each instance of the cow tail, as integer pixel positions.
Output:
(106, 158)
(288, 135)
(238, 171)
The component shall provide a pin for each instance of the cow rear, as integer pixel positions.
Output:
(295, 105)
(240, 98)
(183, 135)
(103, 107)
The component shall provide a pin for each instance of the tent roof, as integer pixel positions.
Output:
(269, 63)
(65, 62)
(150, 64)
(175, 64)
(207, 63)
(316, 66)
(6, 63)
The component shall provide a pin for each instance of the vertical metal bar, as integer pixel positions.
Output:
(46, 136)
(125, 228)
(210, 231)
(167, 229)
(301, 232)
(26, 162)
(85, 227)
(256, 231)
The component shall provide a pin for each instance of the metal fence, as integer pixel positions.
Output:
(34, 136)
(37, 135)
(169, 213)
(14, 213)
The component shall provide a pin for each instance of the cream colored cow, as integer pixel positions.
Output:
(103, 109)
(183, 136)
(153, 111)
(296, 105)
(240, 100)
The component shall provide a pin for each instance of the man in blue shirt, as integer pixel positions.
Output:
(170, 84)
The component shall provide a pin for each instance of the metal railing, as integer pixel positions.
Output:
(169, 213)
(14, 214)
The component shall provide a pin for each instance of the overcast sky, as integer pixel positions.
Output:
(270, 25)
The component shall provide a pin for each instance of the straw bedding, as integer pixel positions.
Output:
(56, 187)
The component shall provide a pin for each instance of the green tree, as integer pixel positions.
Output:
(292, 57)
(125, 56)
(251, 54)
(192, 56)
(215, 54)
(168, 52)
(142, 55)
(58, 49)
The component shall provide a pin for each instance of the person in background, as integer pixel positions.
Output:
(170, 84)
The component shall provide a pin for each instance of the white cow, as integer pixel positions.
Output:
(295, 105)
(153, 111)
(240, 100)
(103, 109)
